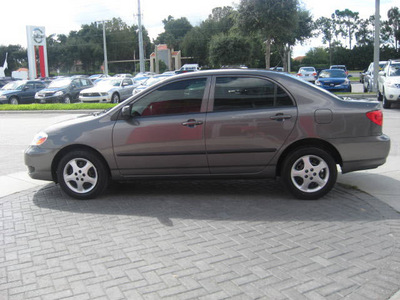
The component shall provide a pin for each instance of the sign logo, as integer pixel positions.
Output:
(38, 35)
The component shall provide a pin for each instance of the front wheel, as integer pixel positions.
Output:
(386, 103)
(14, 101)
(115, 98)
(82, 174)
(309, 173)
(67, 99)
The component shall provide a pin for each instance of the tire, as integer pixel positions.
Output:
(14, 101)
(115, 98)
(386, 103)
(82, 174)
(380, 97)
(309, 173)
(67, 99)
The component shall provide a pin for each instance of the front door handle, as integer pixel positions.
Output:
(192, 123)
(280, 117)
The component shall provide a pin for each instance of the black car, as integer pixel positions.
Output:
(63, 90)
(20, 91)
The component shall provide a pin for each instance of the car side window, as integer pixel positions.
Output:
(85, 82)
(127, 82)
(180, 97)
(39, 86)
(238, 93)
(30, 86)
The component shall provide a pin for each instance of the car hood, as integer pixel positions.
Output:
(7, 92)
(53, 89)
(331, 80)
(394, 79)
(96, 89)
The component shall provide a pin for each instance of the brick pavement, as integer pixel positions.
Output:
(198, 240)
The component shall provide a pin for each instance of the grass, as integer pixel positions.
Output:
(56, 106)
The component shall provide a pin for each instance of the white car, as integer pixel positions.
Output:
(150, 82)
(389, 83)
(307, 74)
(111, 90)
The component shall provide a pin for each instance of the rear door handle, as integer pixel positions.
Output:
(192, 123)
(280, 117)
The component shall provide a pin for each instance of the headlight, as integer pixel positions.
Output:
(2, 97)
(39, 139)
(347, 81)
(393, 84)
(59, 93)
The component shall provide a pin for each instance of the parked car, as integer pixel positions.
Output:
(20, 91)
(277, 69)
(307, 74)
(149, 82)
(111, 90)
(188, 68)
(334, 80)
(63, 90)
(368, 79)
(341, 67)
(389, 83)
(124, 75)
(215, 124)
(5, 80)
(95, 77)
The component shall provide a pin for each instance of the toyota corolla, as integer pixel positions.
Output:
(215, 124)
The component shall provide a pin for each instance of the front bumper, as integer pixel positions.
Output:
(39, 162)
(94, 99)
(392, 94)
(51, 99)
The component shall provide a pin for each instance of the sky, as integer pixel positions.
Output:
(61, 17)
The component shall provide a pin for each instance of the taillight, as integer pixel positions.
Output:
(314, 74)
(376, 116)
(299, 74)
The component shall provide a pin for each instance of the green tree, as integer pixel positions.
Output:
(348, 22)
(394, 23)
(228, 50)
(174, 32)
(270, 18)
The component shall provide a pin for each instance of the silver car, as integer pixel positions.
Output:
(110, 89)
(215, 124)
(307, 74)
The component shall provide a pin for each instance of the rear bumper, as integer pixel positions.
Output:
(362, 153)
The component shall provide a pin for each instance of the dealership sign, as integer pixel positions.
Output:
(37, 52)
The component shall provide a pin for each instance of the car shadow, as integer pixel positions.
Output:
(224, 200)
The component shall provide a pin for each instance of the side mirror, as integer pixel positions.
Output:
(126, 112)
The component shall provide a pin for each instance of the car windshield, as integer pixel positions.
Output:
(59, 83)
(334, 73)
(109, 82)
(14, 86)
(308, 69)
(394, 70)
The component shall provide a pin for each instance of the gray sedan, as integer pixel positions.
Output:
(215, 124)
(111, 90)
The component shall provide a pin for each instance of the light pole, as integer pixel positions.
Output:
(376, 46)
(141, 53)
(104, 47)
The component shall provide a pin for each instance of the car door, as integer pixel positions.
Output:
(250, 119)
(127, 88)
(165, 133)
(27, 94)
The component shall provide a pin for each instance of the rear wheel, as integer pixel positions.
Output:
(380, 97)
(82, 174)
(309, 173)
